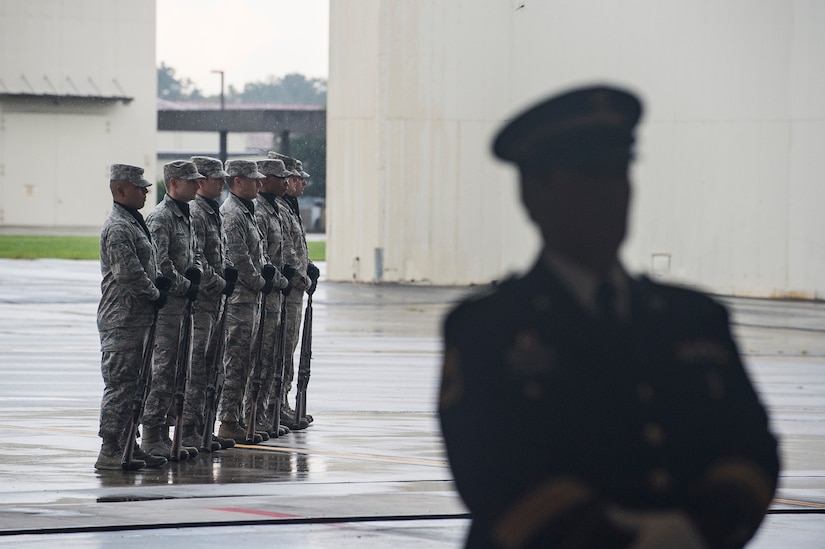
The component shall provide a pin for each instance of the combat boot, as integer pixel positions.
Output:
(152, 462)
(288, 418)
(232, 430)
(262, 431)
(193, 436)
(224, 443)
(186, 452)
(308, 417)
(110, 456)
(155, 441)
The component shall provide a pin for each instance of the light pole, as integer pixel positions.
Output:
(222, 132)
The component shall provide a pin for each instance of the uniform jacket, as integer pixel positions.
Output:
(550, 416)
(278, 250)
(244, 246)
(294, 232)
(177, 248)
(206, 222)
(129, 266)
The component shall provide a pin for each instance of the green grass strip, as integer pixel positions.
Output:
(84, 247)
(60, 247)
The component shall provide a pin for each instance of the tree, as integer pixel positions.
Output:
(175, 89)
(292, 88)
(311, 149)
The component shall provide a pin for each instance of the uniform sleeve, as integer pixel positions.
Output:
(733, 493)
(126, 267)
(159, 228)
(211, 282)
(237, 251)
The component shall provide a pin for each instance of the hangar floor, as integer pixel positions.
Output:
(370, 472)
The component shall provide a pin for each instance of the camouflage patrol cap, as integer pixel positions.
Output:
(288, 161)
(243, 168)
(181, 169)
(273, 167)
(299, 166)
(208, 166)
(125, 172)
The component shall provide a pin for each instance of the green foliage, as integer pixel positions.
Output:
(311, 149)
(291, 89)
(160, 190)
(173, 88)
(60, 247)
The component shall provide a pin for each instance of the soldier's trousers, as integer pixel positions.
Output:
(164, 364)
(204, 325)
(120, 369)
(241, 327)
(294, 315)
(269, 354)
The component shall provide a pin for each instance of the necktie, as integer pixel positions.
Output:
(606, 302)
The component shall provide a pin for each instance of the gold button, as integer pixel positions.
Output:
(645, 392)
(659, 480)
(654, 435)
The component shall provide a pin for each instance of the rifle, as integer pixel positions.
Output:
(214, 388)
(182, 364)
(306, 357)
(268, 272)
(280, 365)
(144, 379)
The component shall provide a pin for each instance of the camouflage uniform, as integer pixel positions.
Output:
(172, 232)
(128, 263)
(294, 232)
(279, 252)
(245, 249)
(206, 223)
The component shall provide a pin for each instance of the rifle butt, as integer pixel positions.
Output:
(129, 449)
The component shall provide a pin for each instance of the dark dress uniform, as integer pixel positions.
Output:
(552, 416)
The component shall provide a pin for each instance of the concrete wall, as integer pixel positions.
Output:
(56, 141)
(729, 185)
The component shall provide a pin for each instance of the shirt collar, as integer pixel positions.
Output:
(583, 283)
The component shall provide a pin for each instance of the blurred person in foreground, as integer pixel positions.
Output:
(630, 419)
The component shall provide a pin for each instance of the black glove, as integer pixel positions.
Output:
(313, 273)
(163, 284)
(268, 272)
(288, 272)
(194, 275)
(230, 275)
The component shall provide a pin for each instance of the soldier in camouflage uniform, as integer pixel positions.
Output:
(129, 267)
(206, 222)
(306, 271)
(281, 254)
(178, 252)
(245, 249)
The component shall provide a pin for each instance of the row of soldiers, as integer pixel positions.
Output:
(193, 274)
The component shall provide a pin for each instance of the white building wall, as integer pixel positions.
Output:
(55, 152)
(729, 185)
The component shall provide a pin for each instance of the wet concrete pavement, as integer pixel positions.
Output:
(371, 470)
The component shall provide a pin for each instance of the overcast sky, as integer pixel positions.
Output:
(249, 40)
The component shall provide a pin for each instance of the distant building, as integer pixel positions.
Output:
(76, 94)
